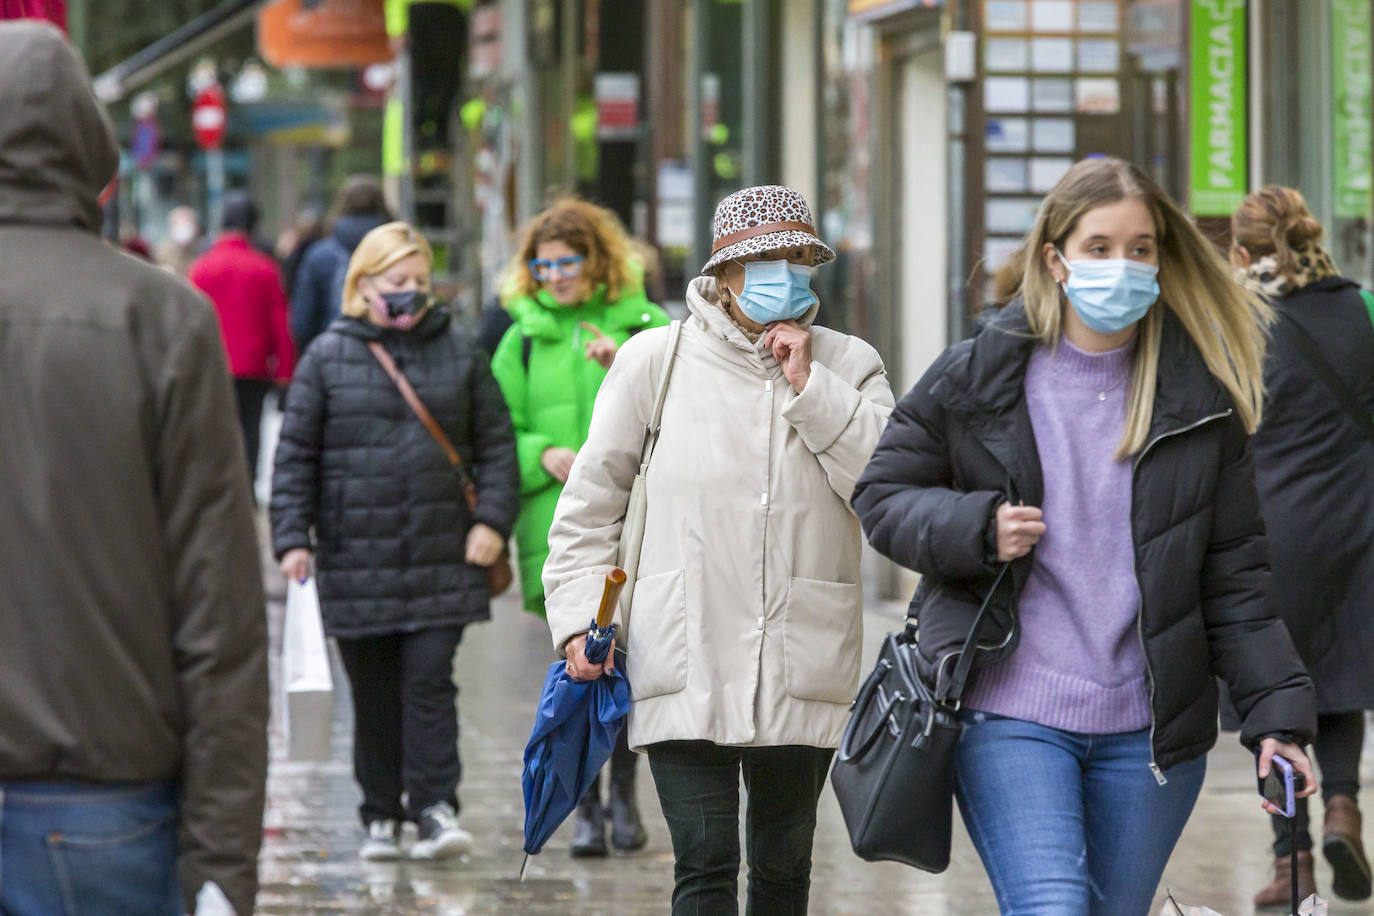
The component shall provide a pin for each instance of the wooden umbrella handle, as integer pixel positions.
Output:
(615, 583)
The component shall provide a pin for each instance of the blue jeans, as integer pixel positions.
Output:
(68, 848)
(1069, 824)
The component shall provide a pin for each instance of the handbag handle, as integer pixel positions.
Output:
(646, 451)
(862, 703)
(418, 407)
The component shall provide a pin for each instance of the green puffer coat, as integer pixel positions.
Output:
(550, 387)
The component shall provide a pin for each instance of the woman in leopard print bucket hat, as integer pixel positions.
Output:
(744, 633)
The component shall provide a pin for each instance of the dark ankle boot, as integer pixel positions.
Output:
(627, 831)
(1279, 893)
(1344, 849)
(589, 833)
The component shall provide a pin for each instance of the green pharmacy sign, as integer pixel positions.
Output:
(1352, 87)
(1219, 175)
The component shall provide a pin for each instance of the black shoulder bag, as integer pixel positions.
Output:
(894, 773)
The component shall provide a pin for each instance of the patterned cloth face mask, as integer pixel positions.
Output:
(775, 291)
(401, 310)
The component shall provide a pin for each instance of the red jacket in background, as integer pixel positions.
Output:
(52, 10)
(245, 286)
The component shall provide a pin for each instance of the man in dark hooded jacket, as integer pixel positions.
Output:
(317, 297)
(133, 713)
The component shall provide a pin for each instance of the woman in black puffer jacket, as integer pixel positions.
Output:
(399, 556)
(1094, 437)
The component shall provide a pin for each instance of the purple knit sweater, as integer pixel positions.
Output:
(1080, 665)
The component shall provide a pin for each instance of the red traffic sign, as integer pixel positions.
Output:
(209, 117)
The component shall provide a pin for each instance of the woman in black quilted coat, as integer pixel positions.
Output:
(398, 554)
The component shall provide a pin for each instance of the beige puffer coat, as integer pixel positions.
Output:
(747, 617)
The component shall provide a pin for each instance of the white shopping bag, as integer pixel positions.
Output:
(307, 685)
(1312, 906)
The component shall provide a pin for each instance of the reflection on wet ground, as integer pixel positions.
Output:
(310, 864)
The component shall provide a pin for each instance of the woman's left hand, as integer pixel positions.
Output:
(600, 348)
(484, 545)
(792, 348)
(1270, 747)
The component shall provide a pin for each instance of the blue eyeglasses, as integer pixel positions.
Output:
(567, 268)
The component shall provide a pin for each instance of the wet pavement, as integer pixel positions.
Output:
(310, 864)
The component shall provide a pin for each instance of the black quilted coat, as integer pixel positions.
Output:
(1315, 473)
(961, 442)
(387, 510)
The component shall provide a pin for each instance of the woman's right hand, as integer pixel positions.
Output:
(579, 668)
(1019, 528)
(295, 564)
(558, 462)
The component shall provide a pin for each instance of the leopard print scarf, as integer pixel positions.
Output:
(1312, 263)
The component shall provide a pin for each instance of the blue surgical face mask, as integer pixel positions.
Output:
(775, 291)
(1112, 294)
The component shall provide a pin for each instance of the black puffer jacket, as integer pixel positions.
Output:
(356, 465)
(961, 442)
(1315, 473)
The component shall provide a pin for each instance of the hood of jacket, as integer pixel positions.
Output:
(348, 230)
(435, 321)
(52, 169)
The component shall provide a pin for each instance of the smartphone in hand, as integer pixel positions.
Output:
(1281, 787)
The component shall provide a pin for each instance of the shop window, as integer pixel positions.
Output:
(1007, 135)
(1053, 135)
(1007, 55)
(1006, 15)
(1007, 175)
(1094, 16)
(1006, 93)
(1010, 215)
(1052, 15)
(1052, 95)
(1052, 55)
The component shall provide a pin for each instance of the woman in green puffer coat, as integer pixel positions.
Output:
(576, 292)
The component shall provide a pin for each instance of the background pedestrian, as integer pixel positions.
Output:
(317, 291)
(179, 250)
(576, 294)
(1315, 473)
(399, 556)
(245, 286)
(1097, 440)
(744, 634)
(133, 719)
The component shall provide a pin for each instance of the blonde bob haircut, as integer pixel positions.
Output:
(379, 249)
(591, 231)
(1228, 325)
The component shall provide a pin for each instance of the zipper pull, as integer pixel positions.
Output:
(1159, 774)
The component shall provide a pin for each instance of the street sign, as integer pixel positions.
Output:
(209, 117)
(1220, 124)
(1352, 83)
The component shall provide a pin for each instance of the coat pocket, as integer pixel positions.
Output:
(657, 653)
(822, 637)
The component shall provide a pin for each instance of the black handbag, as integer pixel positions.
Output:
(894, 773)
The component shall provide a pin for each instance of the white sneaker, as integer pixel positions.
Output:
(440, 835)
(381, 844)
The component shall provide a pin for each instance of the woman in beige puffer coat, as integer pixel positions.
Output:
(745, 631)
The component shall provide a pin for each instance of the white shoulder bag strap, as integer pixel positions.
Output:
(632, 532)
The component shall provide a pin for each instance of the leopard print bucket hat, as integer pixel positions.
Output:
(760, 219)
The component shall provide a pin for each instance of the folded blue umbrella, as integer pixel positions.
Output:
(574, 733)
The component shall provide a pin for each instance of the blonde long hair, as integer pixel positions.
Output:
(1227, 324)
(379, 249)
(591, 231)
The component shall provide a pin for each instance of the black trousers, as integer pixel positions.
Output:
(251, 392)
(1340, 736)
(698, 788)
(405, 721)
